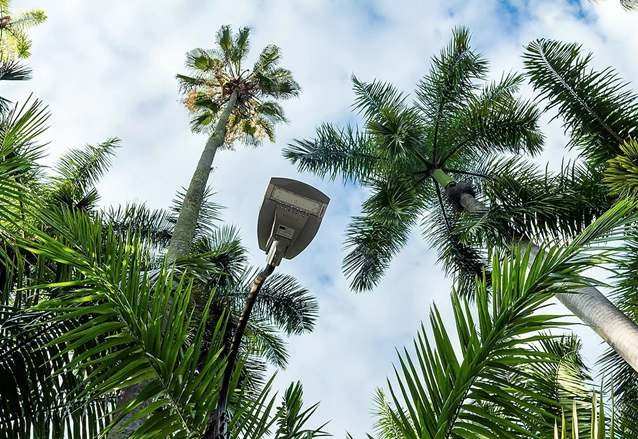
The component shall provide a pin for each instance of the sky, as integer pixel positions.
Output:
(109, 71)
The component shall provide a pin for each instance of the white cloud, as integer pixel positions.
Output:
(109, 71)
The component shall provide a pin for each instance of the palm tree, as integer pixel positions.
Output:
(233, 104)
(412, 156)
(128, 327)
(600, 114)
(60, 209)
(508, 376)
(14, 41)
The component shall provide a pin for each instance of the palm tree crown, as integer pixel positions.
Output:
(215, 75)
(407, 154)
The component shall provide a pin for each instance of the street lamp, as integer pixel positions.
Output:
(289, 219)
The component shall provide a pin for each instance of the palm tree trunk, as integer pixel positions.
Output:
(588, 304)
(183, 234)
(189, 213)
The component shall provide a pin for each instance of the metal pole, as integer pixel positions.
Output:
(218, 428)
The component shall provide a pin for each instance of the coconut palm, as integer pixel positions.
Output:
(232, 104)
(441, 161)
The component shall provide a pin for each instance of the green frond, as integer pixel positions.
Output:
(450, 81)
(272, 111)
(277, 83)
(286, 304)
(346, 152)
(138, 219)
(35, 398)
(241, 45)
(599, 111)
(371, 99)
(268, 59)
(264, 341)
(525, 201)
(565, 381)
(383, 229)
(209, 213)
(438, 391)
(260, 416)
(201, 61)
(217, 259)
(14, 41)
(292, 416)
(462, 258)
(224, 40)
(20, 129)
(136, 331)
(14, 71)
(621, 175)
(83, 167)
(385, 426)
(495, 121)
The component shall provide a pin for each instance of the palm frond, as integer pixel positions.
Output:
(373, 238)
(373, 99)
(142, 328)
(265, 342)
(284, 303)
(599, 111)
(346, 152)
(385, 426)
(209, 213)
(495, 121)
(85, 166)
(450, 81)
(292, 416)
(268, 58)
(14, 71)
(20, 129)
(277, 83)
(461, 255)
(152, 225)
(36, 398)
(439, 393)
(525, 201)
(621, 175)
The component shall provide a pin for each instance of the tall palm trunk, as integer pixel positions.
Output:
(183, 234)
(189, 212)
(588, 304)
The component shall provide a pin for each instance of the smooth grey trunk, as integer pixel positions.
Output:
(589, 305)
(184, 230)
(183, 234)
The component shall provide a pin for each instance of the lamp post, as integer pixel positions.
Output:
(289, 219)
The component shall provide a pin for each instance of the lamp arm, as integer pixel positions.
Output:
(218, 428)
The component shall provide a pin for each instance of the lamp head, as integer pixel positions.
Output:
(289, 218)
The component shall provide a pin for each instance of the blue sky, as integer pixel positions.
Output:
(110, 72)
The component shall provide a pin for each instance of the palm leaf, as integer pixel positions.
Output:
(599, 111)
(439, 389)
